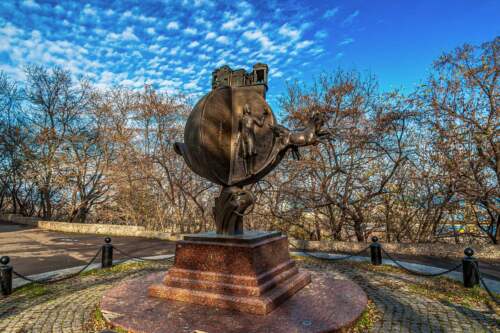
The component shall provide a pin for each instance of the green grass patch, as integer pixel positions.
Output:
(32, 290)
(367, 320)
(447, 290)
(98, 324)
(440, 288)
(118, 268)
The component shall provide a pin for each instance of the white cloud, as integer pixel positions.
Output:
(174, 25)
(331, 12)
(154, 48)
(321, 34)
(128, 34)
(222, 40)
(245, 8)
(232, 24)
(146, 19)
(88, 10)
(346, 41)
(11, 30)
(201, 21)
(289, 32)
(193, 44)
(259, 36)
(190, 31)
(127, 14)
(174, 51)
(349, 19)
(184, 46)
(59, 9)
(186, 70)
(203, 57)
(211, 35)
(198, 3)
(304, 44)
(30, 4)
(191, 85)
(316, 51)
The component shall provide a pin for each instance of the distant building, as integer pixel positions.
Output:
(226, 77)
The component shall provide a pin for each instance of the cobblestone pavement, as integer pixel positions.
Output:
(70, 306)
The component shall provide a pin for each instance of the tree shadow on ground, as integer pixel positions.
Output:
(19, 301)
(478, 315)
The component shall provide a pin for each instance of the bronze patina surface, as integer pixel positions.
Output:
(232, 138)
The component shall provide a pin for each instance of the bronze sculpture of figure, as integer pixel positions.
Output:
(232, 138)
(247, 137)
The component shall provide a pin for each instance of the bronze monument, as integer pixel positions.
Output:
(232, 138)
(231, 280)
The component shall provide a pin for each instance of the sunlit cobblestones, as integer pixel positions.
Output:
(69, 307)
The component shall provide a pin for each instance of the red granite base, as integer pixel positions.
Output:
(251, 274)
(325, 305)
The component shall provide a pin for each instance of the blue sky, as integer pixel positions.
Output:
(175, 45)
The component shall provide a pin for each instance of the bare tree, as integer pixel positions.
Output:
(54, 106)
(346, 176)
(461, 104)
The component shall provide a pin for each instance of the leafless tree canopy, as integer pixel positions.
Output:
(418, 167)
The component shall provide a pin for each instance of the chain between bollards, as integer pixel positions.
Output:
(376, 251)
(470, 266)
(107, 254)
(5, 276)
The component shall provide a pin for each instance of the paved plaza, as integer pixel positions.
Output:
(400, 302)
(34, 251)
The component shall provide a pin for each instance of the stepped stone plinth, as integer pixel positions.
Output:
(250, 273)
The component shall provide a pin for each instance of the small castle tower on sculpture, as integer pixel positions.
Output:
(226, 77)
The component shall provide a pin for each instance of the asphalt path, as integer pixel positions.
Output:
(34, 251)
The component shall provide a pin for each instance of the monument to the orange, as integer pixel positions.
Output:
(235, 280)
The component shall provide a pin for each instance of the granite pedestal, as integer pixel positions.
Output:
(250, 273)
(234, 284)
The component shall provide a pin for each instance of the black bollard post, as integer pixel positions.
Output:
(5, 276)
(470, 269)
(107, 254)
(376, 251)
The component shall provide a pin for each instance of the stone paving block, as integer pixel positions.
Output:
(70, 306)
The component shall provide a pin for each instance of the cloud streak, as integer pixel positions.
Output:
(173, 45)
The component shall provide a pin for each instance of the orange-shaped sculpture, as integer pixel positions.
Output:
(232, 139)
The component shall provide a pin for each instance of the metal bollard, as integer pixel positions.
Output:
(470, 269)
(107, 254)
(5, 276)
(376, 251)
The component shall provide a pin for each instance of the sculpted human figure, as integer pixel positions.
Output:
(247, 135)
